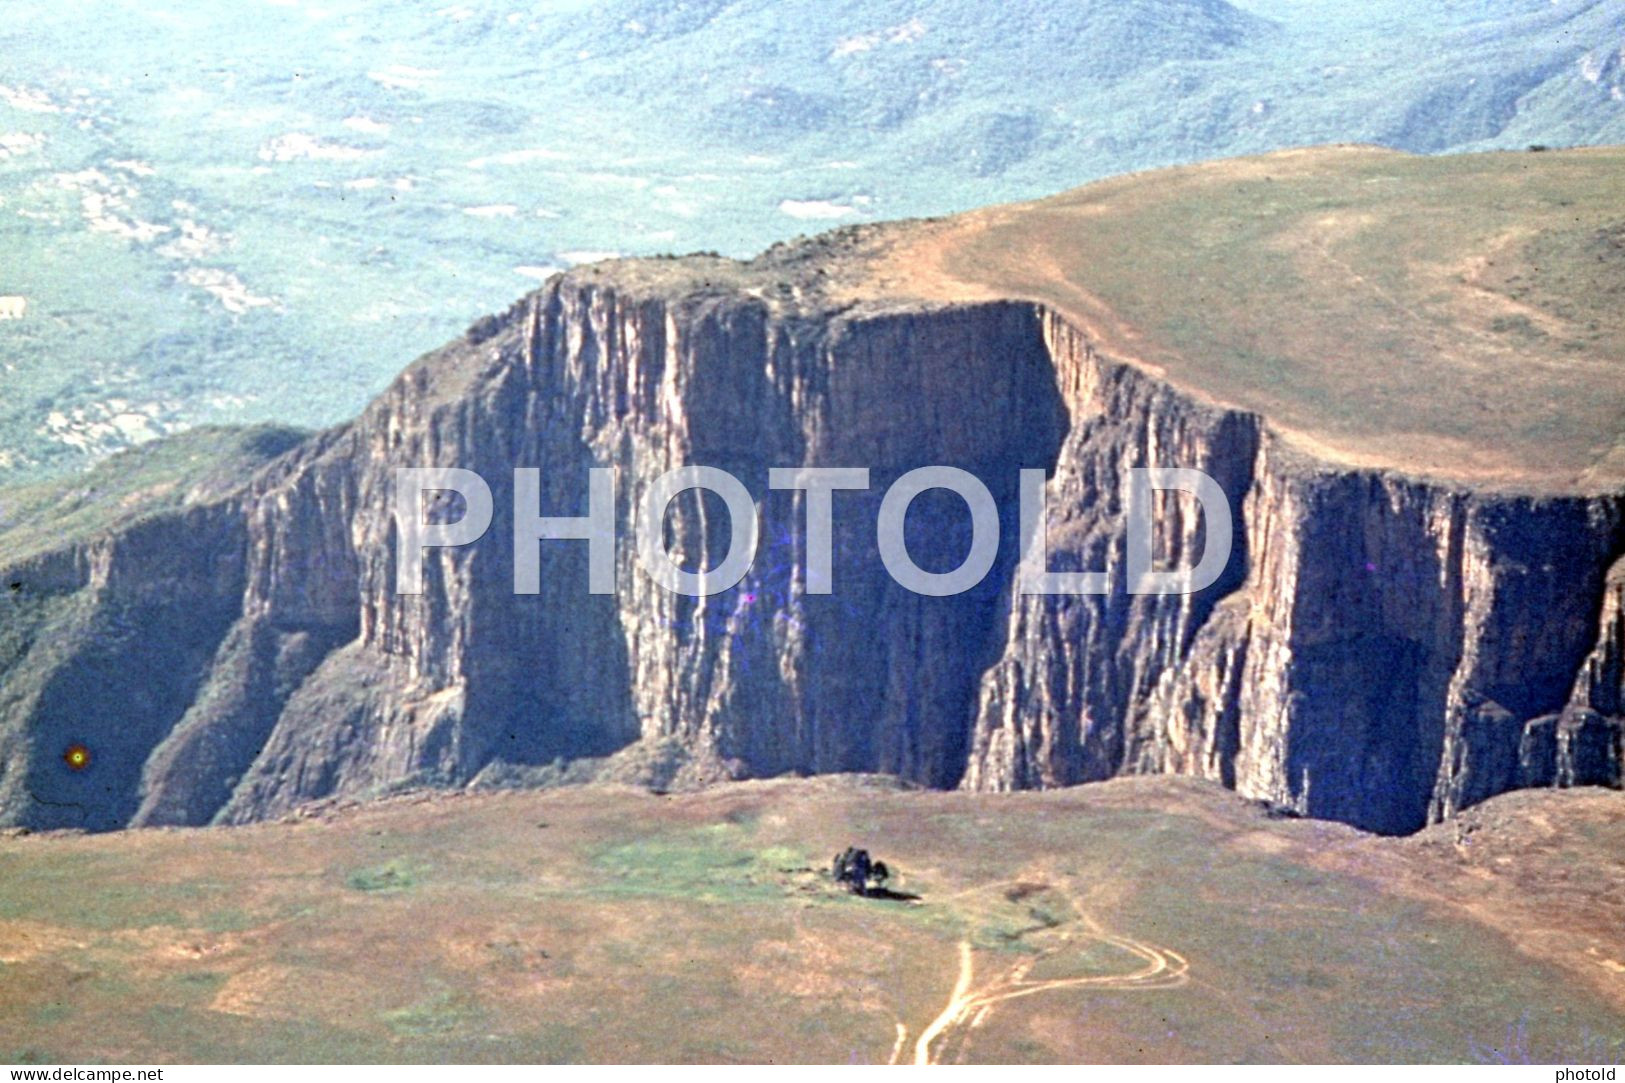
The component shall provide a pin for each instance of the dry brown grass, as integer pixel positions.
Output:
(610, 924)
(1454, 317)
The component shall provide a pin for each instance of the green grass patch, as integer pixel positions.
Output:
(143, 481)
(714, 863)
(397, 874)
(440, 1014)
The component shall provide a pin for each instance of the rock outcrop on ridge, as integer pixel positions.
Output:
(1401, 631)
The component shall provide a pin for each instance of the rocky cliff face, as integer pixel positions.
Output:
(1382, 651)
(1379, 650)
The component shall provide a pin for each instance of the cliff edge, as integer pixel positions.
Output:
(1405, 373)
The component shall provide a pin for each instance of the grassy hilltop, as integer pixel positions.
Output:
(1140, 920)
(1461, 317)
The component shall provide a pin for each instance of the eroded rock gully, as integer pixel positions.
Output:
(1380, 650)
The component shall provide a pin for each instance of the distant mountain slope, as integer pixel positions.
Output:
(228, 212)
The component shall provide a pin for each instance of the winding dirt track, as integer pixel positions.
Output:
(968, 1006)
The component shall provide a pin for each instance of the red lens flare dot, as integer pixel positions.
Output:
(77, 757)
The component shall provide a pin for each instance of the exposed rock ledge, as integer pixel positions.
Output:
(1382, 650)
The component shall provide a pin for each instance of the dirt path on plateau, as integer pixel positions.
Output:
(969, 1005)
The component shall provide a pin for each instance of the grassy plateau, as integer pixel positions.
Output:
(1139, 920)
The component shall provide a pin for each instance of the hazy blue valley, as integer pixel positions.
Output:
(234, 212)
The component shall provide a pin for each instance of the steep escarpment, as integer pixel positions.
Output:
(105, 645)
(1390, 651)
(762, 679)
(1383, 647)
(1378, 650)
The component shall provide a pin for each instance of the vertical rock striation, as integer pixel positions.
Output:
(1379, 650)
